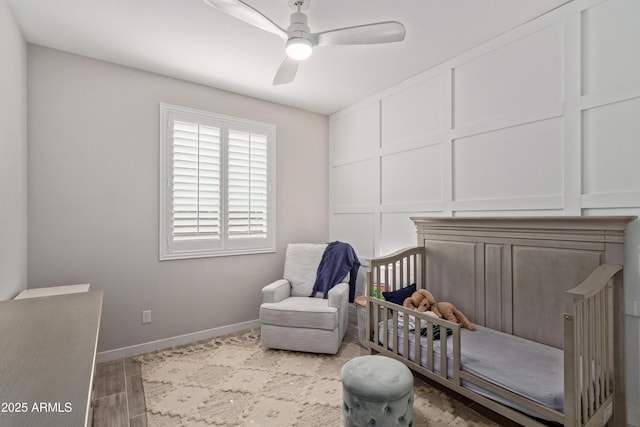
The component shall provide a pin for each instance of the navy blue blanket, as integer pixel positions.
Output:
(337, 260)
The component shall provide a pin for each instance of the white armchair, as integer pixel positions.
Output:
(291, 319)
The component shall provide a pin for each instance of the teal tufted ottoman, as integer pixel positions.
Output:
(377, 391)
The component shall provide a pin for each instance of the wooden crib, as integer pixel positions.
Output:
(552, 281)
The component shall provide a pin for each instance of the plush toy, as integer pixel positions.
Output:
(452, 314)
(422, 300)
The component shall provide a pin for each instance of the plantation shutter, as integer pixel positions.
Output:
(247, 185)
(217, 192)
(196, 181)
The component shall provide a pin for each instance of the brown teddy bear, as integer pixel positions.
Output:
(422, 300)
(452, 314)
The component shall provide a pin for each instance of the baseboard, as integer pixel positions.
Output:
(133, 350)
(633, 416)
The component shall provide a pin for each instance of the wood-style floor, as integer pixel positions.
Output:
(119, 398)
(118, 395)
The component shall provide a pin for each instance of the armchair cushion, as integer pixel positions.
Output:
(300, 312)
(301, 266)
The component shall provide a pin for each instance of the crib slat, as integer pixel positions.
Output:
(586, 365)
(385, 327)
(417, 348)
(444, 355)
(592, 336)
(609, 326)
(404, 265)
(598, 353)
(394, 334)
(373, 322)
(605, 343)
(456, 357)
(571, 402)
(588, 360)
(412, 268)
(382, 318)
(593, 371)
(604, 386)
(386, 281)
(583, 359)
(373, 310)
(430, 352)
(375, 280)
(393, 270)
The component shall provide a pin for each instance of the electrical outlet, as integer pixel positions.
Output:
(146, 316)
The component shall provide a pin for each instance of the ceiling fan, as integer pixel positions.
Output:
(300, 41)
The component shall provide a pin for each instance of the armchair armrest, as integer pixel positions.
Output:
(276, 291)
(339, 298)
(339, 295)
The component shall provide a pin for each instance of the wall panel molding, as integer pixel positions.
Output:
(611, 96)
(629, 199)
(513, 203)
(517, 118)
(572, 167)
(412, 207)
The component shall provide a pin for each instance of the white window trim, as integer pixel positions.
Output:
(226, 247)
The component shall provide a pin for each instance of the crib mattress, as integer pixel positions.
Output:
(527, 368)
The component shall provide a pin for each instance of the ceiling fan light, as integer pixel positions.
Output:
(298, 48)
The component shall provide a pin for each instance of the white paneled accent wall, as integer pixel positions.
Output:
(543, 120)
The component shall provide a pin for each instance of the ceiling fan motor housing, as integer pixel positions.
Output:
(299, 45)
(298, 26)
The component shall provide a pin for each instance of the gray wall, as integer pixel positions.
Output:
(13, 156)
(93, 197)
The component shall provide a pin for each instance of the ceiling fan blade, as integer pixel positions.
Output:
(381, 32)
(287, 72)
(242, 11)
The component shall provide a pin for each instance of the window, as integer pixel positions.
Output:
(217, 193)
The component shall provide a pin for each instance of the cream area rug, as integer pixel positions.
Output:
(233, 381)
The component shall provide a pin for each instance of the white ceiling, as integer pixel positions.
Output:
(190, 40)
